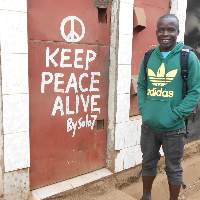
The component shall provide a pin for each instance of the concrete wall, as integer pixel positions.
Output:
(15, 97)
(123, 132)
(113, 74)
(1, 137)
(178, 8)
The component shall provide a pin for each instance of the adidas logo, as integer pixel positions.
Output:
(154, 92)
(161, 79)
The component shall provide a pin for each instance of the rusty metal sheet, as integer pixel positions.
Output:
(48, 18)
(68, 85)
(145, 38)
(163, 5)
(59, 98)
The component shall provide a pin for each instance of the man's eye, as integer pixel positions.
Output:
(160, 30)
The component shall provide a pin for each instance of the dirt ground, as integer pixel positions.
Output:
(128, 186)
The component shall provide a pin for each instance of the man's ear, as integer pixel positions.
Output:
(178, 32)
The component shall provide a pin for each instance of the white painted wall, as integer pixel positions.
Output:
(15, 95)
(179, 8)
(127, 132)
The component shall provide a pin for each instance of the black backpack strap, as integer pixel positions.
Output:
(184, 68)
(146, 59)
(184, 73)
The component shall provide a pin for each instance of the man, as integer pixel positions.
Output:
(162, 108)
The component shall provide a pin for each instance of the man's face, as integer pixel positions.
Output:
(167, 32)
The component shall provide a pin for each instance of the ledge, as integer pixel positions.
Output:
(51, 190)
(137, 117)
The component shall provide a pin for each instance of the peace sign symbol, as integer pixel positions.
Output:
(72, 36)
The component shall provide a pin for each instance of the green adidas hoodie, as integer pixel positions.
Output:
(160, 96)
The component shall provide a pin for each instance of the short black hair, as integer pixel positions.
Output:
(170, 16)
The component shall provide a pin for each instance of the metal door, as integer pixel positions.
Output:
(144, 38)
(68, 81)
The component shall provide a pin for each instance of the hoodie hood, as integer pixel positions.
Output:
(174, 51)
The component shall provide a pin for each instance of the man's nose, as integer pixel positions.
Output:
(165, 32)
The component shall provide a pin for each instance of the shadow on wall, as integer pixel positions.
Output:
(192, 28)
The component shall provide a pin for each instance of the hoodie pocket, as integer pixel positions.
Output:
(157, 114)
